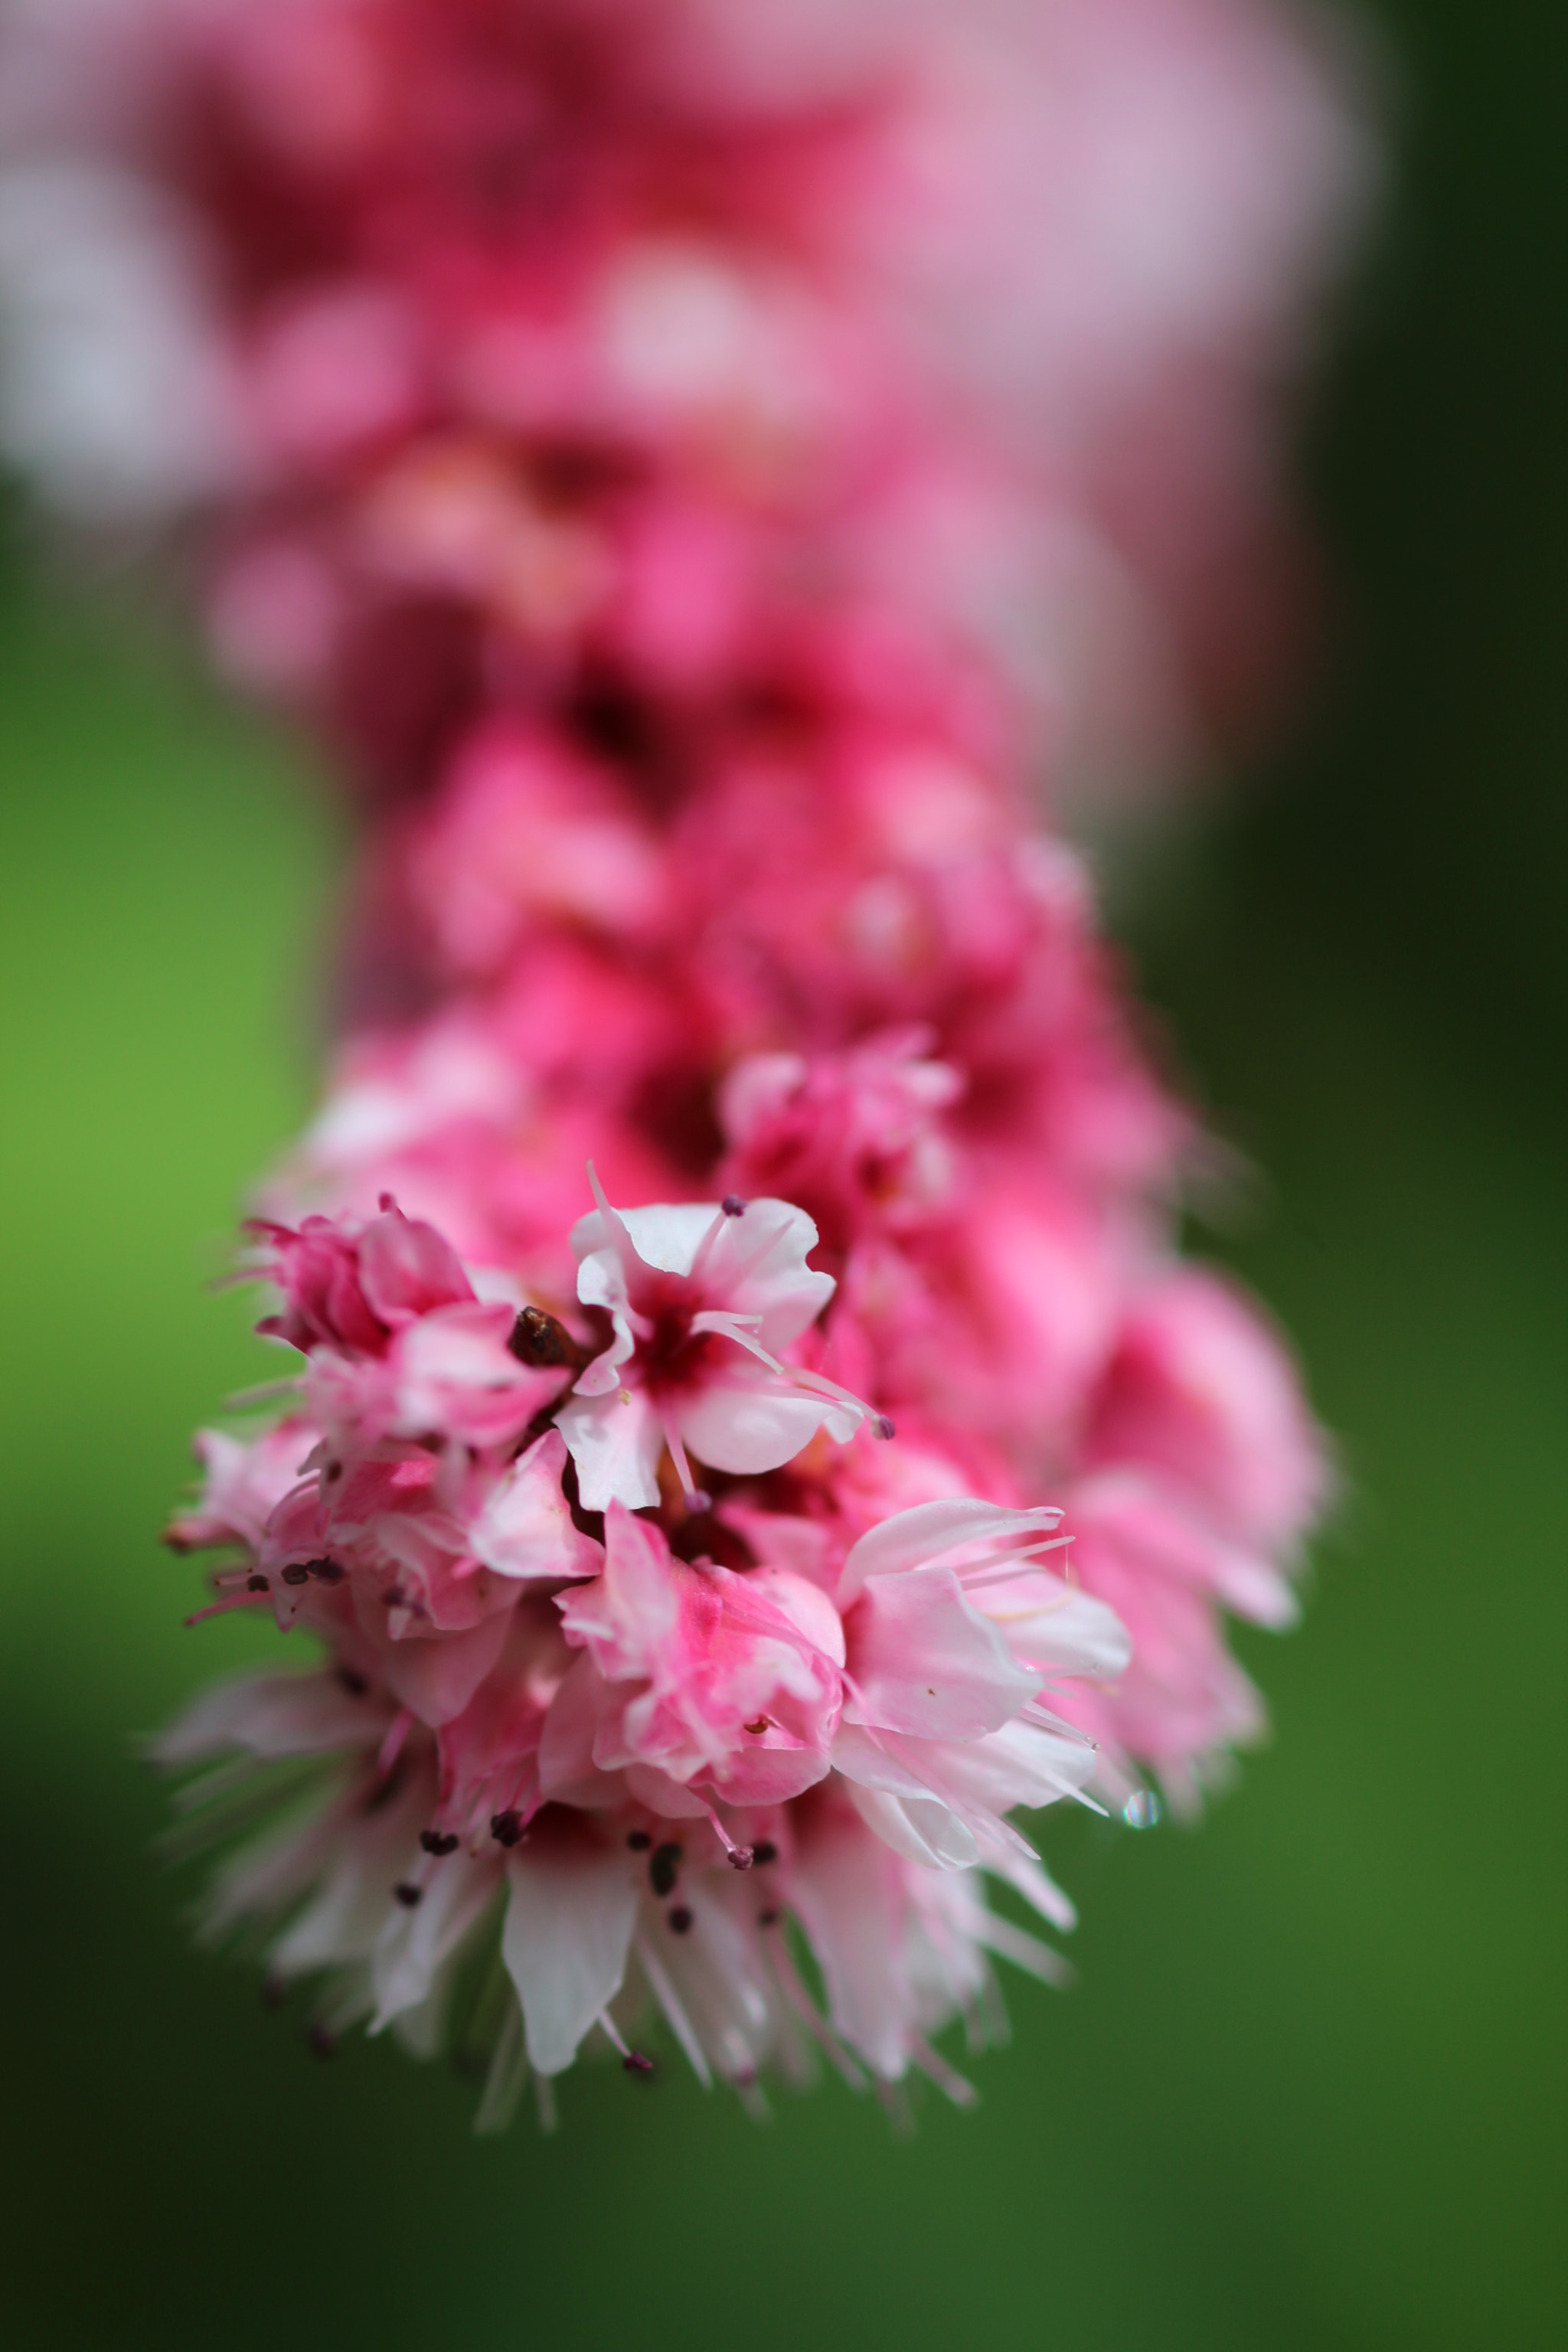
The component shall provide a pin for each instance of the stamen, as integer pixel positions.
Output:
(882, 1426)
(408, 1895)
(741, 1856)
(670, 2001)
(679, 1920)
(764, 1852)
(264, 1392)
(696, 1498)
(787, 1976)
(632, 2060)
(640, 1841)
(947, 2078)
(246, 1599)
(506, 1828)
(258, 1584)
(733, 1206)
(297, 1574)
(438, 1842)
(705, 1247)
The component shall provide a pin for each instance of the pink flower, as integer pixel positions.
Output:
(697, 1677)
(857, 1138)
(1202, 1394)
(400, 1345)
(700, 1298)
(525, 831)
(952, 1634)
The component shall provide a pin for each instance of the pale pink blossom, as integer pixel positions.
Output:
(399, 1343)
(693, 1676)
(700, 1298)
(1203, 1394)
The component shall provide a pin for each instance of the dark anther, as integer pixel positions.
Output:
(640, 1841)
(507, 1828)
(764, 1852)
(355, 1683)
(409, 1897)
(298, 1574)
(661, 1870)
(395, 1597)
(681, 1919)
(334, 1471)
(438, 1842)
(330, 1572)
(636, 2063)
(256, 1584)
(537, 1338)
(321, 2040)
(758, 1726)
(768, 1919)
(733, 1206)
(883, 1427)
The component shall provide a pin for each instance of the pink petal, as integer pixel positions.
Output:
(924, 1661)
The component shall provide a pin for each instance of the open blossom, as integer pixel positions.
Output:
(700, 1298)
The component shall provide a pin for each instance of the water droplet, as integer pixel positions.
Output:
(1142, 1809)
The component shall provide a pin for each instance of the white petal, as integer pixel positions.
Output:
(1057, 1627)
(666, 1234)
(746, 1419)
(931, 1532)
(568, 1925)
(756, 1265)
(269, 1715)
(616, 1441)
(851, 1900)
(921, 1829)
(1019, 1765)
(412, 1945)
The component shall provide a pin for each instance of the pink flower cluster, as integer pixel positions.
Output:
(755, 1433)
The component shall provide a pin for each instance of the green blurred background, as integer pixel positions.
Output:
(1308, 2090)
